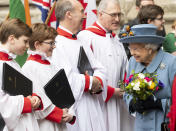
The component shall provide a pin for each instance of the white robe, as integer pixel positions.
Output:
(11, 107)
(40, 74)
(89, 116)
(110, 52)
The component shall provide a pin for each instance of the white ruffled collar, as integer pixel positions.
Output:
(43, 55)
(11, 55)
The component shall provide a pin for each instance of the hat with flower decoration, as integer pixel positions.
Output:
(142, 33)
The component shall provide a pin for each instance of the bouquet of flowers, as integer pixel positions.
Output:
(141, 85)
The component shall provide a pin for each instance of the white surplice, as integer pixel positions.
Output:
(110, 52)
(11, 107)
(40, 74)
(89, 116)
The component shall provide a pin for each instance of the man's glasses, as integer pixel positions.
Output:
(52, 43)
(114, 15)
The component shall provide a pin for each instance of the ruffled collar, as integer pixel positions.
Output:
(38, 57)
(6, 55)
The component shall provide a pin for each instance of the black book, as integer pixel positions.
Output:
(14, 83)
(59, 91)
(83, 63)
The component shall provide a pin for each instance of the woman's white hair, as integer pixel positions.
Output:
(154, 47)
(103, 4)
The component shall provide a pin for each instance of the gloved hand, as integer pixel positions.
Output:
(141, 106)
(150, 104)
(136, 106)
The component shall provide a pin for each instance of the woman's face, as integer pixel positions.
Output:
(158, 22)
(140, 53)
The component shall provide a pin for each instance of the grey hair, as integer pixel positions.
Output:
(62, 6)
(103, 4)
(154, 47)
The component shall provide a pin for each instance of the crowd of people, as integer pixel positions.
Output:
(100, 103)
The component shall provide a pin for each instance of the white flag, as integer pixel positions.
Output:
(90, 11)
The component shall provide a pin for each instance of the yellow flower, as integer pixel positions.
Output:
(152, 86)
(127, 28)
(131, 33)
(124, 34)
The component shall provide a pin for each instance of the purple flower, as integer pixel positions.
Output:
(130, 79)
(161, 84)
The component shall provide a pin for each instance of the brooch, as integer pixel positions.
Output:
(162, 66)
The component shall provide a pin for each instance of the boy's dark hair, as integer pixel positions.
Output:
(149, 12)
(41, 32)
(138, 3)
(13, 27)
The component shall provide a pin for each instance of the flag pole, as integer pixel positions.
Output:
(50, 13)
(7, 17)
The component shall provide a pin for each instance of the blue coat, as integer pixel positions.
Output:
(165, 66)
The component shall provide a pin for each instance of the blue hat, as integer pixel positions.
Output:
(142, 33)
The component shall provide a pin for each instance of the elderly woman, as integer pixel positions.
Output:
(148, 57)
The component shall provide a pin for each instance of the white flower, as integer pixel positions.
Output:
(132, 84)
(140, 75)
(145, 81)
(136, 86)
(150, 82)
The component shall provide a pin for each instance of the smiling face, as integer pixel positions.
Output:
(158, 22)
(140, 53)
(19, 45)
(46, 47)
(110, 17)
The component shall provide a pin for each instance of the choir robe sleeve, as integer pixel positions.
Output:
(99, 70)
(11, 106)
(48, 107)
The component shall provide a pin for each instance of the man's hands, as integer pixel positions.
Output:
(35, 101)
(66, 117)
(96, 86)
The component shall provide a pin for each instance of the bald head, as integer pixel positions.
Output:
(62, 6)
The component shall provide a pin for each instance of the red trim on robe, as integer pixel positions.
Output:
(4, 56)
(41, 104)
(55, 115)
(110, 92)
(27, 108)
(172, 113)
(99, 31)
(87, 82)
(66, 34)
(124, 79)
(38, 59)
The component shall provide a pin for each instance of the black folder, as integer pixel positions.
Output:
(83, 63)
(59, 91)
(15, 83)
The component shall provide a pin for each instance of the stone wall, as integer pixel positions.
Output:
(128, 8)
